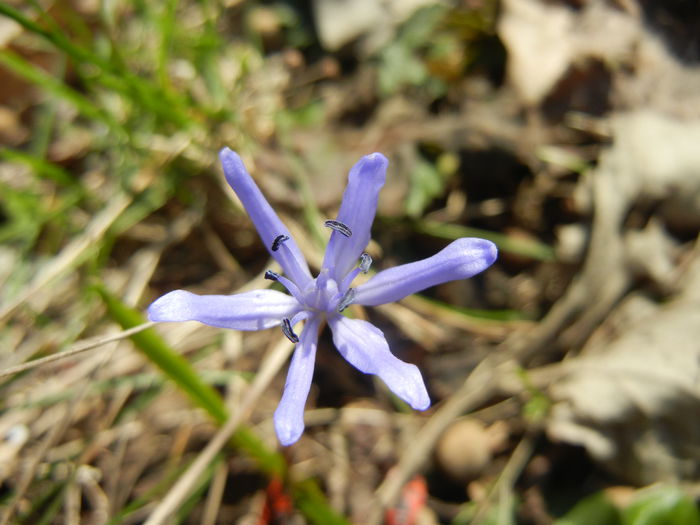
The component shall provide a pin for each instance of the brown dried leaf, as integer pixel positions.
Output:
(631, 400)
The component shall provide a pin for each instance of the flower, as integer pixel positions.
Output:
(322, 299)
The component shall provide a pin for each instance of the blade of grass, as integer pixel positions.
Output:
(71, 255)
(43, 168)
(113, 75)
(471, 314)
(527, 248)
(310, 498)
(165, 22)
(59, 89)
(145, 498)
(53, 36)
(199, 491)
(179, 370)
(46, 505)
(176, 367)
(50, 513)
(46, 119)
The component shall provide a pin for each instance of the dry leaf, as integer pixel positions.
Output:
(540, 46)
(546, 40)
(629, 400)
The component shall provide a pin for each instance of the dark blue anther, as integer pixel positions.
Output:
(287, 330)
(278, 241)
(339, 227)
(272, 276)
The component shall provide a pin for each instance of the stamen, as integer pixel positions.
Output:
(338, 227)
(287, 330)
(348, 298)
(289, 285)
(365, 262)
(278, 241)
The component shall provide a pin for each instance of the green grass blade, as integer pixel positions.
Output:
(54, 37)
(148, 496)
(176, 367)
(45, 505)
(179, 370)
(534, 249)
(473, 314)
(310, 499)
(165, 23)
(43, 168)
(111, 75)
(59, 89)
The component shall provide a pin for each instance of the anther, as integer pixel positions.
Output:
(338, 227)
(272, 276)
(287, 330)
(278, 241)
(348, 298)
(365, 262)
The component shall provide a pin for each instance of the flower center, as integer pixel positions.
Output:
(322, 294)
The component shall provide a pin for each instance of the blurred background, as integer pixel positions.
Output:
(565, 379)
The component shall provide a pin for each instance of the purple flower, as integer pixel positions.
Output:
(322, 299)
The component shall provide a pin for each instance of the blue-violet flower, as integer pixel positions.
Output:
(322, 299)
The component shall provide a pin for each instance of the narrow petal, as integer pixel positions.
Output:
(266, 221)
(254, 310)
(458, 260)
(357, 212)
(363, 345)
(289, 416)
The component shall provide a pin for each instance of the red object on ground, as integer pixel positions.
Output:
(412, 500)
(277, 505)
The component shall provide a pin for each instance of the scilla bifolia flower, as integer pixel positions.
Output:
(321, 299)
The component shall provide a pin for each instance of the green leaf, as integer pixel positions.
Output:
(419, 29)
(661, 505)
(426, 183)
(399, 67)
(401, 63)
(595, 509)
(502, 513)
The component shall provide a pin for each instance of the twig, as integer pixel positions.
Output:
(503, 488)
(478, 387)
(214, 495)
(76, 349)
(494, 375)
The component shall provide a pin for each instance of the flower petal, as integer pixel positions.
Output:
(266, 221)
(289, 416)
(254, 310)
(363, 345)
(357, 212)
(458, 260)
